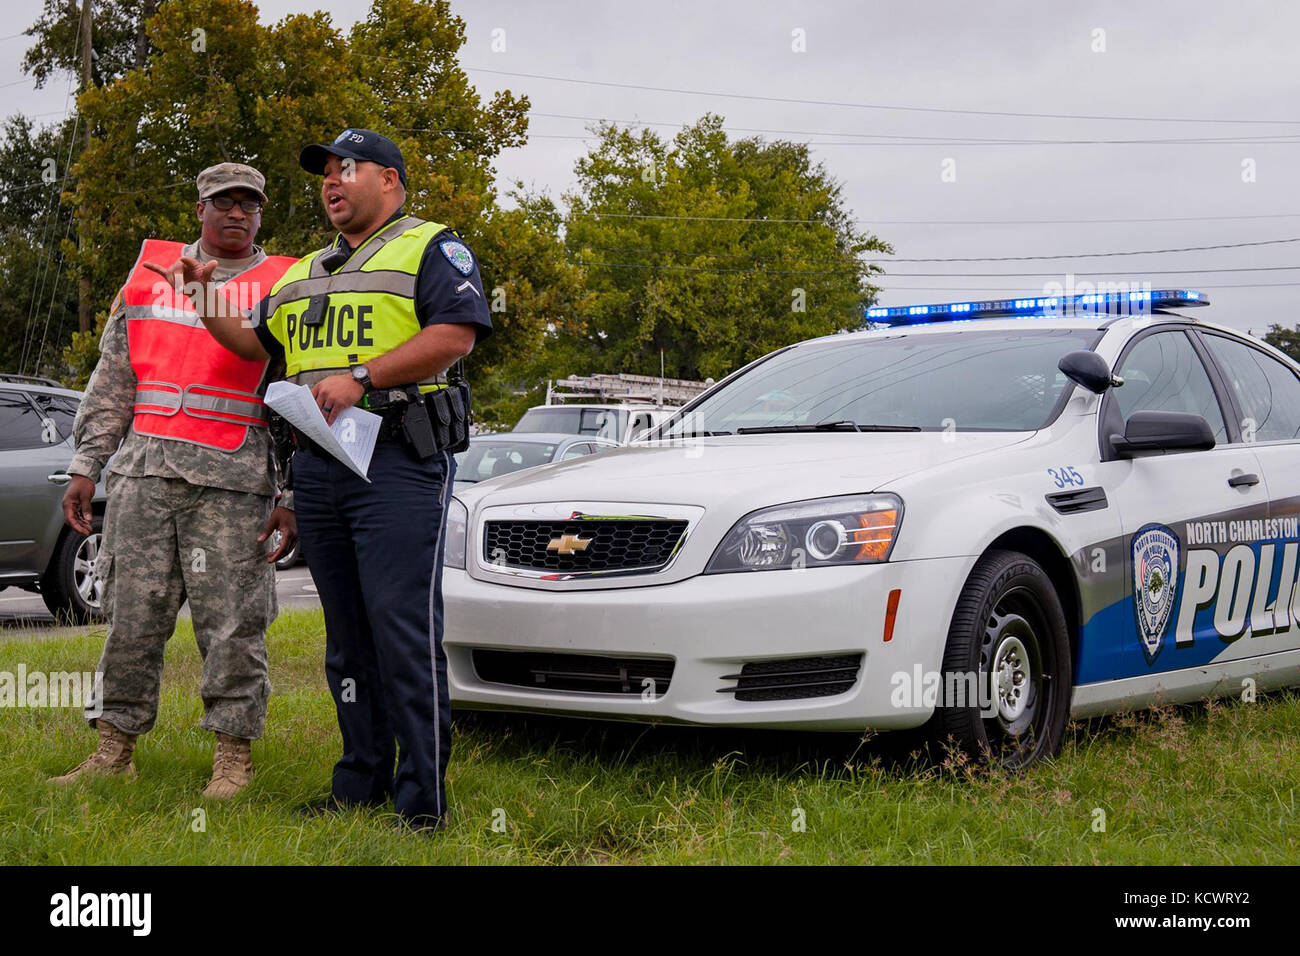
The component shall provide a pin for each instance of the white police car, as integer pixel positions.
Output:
(963, 519)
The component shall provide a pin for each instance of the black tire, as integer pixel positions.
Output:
(1009, 629)
(69, 587)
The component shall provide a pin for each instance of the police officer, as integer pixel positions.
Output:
(392, 302)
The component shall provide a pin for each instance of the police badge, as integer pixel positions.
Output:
(458, 255)
(1155, 584)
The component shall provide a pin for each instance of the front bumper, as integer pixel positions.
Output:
(710, 626)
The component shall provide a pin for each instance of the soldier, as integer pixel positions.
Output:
(188, 490)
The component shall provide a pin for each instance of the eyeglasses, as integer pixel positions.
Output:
(227, 203)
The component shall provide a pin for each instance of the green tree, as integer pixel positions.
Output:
(715, 251)
(117, 33)
(1284, 339)
(37, 294)
(219, 86)
(541, 291)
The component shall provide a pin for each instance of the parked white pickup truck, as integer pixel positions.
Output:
(620, 423)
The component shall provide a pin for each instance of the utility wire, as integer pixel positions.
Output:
(943, 140)
(1070, 255)
(1099, 255)
(1159, 271)
(932, 222)
(880, 106)
(925, 143)
(1014, 288)
(821, 259)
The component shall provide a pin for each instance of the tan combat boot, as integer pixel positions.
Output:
(232, 767)
(112, 759)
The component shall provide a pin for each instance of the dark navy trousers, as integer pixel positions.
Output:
(375, 553)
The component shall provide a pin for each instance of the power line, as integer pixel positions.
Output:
(938, 222)
(928, 143)
(821, 259)
(1020, 288)
(879, 106)
(1089, 255)
(1076, 222)
(917, 140)
(881, 276)
(67, 233)
(1163, 272)
(28, 340)
(25, 186)
(1099, 255)
(710, 269)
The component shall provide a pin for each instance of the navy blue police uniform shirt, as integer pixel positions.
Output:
(444, 291)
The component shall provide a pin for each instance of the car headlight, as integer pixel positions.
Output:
(457, 534)
(852, 529)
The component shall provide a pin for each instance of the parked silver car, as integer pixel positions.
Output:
(489, 456)
(38, 551)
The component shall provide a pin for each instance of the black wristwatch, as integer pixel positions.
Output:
(362, 374)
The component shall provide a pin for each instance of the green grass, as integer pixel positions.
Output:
(1211, 783)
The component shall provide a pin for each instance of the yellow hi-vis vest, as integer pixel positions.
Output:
(371, 301)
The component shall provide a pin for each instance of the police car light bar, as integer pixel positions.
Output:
(1103, 303)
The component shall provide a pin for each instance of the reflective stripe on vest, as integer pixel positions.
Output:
(370, 300)
(188, 387)
(202, 401)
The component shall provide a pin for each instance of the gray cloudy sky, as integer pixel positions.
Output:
(1202, 63)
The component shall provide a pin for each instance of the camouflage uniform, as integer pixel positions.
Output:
(182, 522)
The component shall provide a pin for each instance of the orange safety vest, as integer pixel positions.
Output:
(188, 386)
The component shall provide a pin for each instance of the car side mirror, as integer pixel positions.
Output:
(1163, 431)
(1089, 370)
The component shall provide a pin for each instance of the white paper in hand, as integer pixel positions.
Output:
(351, 439)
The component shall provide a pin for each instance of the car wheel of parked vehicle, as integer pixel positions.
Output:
(1008, 635)
(70, 588)
(290, 557)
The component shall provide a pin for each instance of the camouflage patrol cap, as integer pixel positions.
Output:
(224, 176)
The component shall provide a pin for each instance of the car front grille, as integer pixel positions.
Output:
(583, 544)
(586, 673)
(794, 678)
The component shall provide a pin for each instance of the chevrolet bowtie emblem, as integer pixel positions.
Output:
(568, 544)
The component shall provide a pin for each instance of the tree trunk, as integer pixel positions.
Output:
(149, 8)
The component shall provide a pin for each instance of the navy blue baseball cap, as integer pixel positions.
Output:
(359, 144)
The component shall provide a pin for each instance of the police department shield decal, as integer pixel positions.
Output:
(1155, 584)
(458, 255)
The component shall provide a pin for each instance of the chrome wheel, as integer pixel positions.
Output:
(89, 584)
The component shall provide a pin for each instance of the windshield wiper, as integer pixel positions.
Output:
(827, 427)
(674, 435)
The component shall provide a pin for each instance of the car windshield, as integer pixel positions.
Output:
(969, 380)
(488, 459)
(602, 422)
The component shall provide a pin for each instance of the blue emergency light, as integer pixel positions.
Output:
(1092, 303)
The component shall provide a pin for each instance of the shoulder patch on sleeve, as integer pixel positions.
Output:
(458, 254)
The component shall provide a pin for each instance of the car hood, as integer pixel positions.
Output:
(744, 471)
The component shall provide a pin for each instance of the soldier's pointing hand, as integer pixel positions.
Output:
(188, 276)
